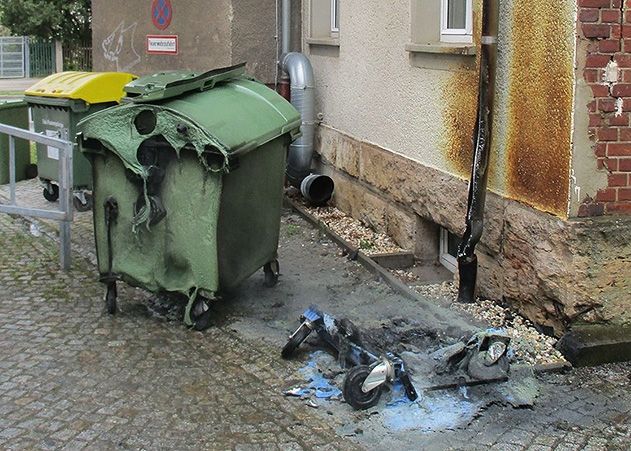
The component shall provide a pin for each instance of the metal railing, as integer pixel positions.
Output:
(65, 212)
(77, 57)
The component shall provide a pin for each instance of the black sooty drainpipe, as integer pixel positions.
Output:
(467, 260)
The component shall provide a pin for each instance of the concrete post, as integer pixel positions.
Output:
(59, 57)
(27, 56)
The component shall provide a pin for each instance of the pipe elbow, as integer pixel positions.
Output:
(299, 69)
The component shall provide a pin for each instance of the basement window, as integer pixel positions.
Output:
(456, 21)
(448, 249)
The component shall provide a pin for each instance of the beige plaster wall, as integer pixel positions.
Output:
(423, 105)
(368, 88)
(120, 27)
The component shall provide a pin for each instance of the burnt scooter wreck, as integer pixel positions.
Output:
(368, 373)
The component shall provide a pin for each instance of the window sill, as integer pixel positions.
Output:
(442, 48)
(332, 42)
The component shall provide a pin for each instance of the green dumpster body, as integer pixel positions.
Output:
(220, 140)
(14, 113)
(55, 117)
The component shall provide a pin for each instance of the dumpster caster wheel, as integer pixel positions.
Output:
(110, 298)
(353, 393)
(81, 206)
(295, 340)
(200, 314)
(272, 271)
(51, 195)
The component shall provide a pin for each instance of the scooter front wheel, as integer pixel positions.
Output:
(352, 390)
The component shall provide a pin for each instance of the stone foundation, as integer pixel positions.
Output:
(556, 272)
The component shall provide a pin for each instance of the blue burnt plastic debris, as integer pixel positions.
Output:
(369, 372)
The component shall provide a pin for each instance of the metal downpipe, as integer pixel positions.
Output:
(285, 27)
(467, 259)
(314, 187)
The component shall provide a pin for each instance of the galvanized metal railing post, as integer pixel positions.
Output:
(12, 168)
(65, 201)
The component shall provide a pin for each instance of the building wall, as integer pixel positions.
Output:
(212, 34)
(603, 140)
(556, 272)
(396, 135)
(423, 105)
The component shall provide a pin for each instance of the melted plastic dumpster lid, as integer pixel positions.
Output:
(167, 85)
(223, 110)
(91, 87)
(233, 111)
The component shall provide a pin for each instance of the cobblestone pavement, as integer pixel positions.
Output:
(73, 377)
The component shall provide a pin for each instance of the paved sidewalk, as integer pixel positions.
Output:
(73, 377)
(17, 84)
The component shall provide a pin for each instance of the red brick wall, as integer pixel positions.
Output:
(606, 25)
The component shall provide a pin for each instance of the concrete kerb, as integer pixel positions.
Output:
(443, 319)
(355, 253)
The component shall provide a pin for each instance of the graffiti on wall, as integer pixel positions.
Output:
(118, 47)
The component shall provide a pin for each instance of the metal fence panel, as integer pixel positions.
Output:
(77, 57)
(41, 57)
(12, 56)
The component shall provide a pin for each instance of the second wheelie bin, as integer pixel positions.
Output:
(15, 114)
(188, 184)
(58, 103)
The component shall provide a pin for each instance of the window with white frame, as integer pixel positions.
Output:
(448, 253)
(335, 16)
(456, 21)
(325, 22)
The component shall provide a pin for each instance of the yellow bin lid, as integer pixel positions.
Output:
(91, 87)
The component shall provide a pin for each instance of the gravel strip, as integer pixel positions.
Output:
(351, 230)
(529, 345)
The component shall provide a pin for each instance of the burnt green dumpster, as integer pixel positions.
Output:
(188, 182)
(57, 103)
(15, 114)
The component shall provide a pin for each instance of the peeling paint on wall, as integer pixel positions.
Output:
(540, 104)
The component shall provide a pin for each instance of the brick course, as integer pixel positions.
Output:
(606, 26)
